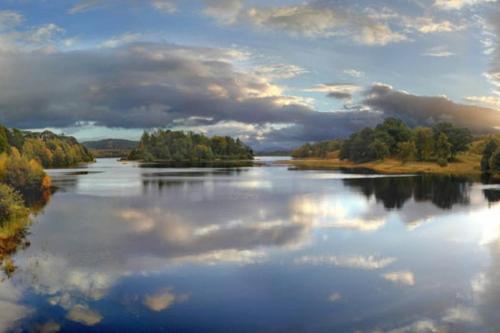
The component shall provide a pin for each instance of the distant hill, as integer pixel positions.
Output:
(111, 144)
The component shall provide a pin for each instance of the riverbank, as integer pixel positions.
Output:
(466, 164)
(196, 164)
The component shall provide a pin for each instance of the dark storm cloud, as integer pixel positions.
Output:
(149, 85)
(427, 110)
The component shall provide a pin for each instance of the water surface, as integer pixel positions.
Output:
(265, 249)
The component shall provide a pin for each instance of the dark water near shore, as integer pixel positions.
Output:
(121, 248)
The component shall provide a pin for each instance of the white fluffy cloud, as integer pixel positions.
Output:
(359, 262)
(401, 277)
(163, 299)
(336, 90)
(82, 6)
(323, 19)
(438, 52)
(458, 4)
(9, 19)
(167, 6)
(84, 315)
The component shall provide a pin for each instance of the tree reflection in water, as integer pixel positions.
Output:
(492, 189)
(14, 232)
(394, 192)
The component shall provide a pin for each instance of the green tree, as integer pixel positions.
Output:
(459, 138)
(11, 205)
(495, 161)
(424, 143)
(443, 149)
(359, 147)
(380, 149)
(24, 175)
(203, 153)
(188, 146)
(489, 149)
(407, 151)
(16, 138)
(397, 130)
(4, 141)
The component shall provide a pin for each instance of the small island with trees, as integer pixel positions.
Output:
(394, 147)
(178, 148)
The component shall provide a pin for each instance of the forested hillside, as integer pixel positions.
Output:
(24, 185)
(54, 151)
(188, 146)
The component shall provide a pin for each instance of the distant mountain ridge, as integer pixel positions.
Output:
(111, 144)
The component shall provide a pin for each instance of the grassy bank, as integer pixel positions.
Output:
(466, 164)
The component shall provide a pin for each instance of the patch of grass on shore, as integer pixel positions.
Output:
(467, 164)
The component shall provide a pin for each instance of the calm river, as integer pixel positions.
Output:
(120, 248)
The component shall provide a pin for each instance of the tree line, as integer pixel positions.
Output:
(393, 138)
(167, 145)
(23, 155)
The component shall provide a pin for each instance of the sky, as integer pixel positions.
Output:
(276, 73)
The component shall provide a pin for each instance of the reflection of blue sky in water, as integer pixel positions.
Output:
(247, 250)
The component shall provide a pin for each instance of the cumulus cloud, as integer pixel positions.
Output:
(354, 73)
(461, 314)
(486, 286)
(279, 71)
(163, 299)
(457, 318)
(125, 38)
(15, 38)
(493, 47)
(427, 25)
(323, 19)
(9, 19)
(334, 297)
(419, 326)
(223, 11)
(44, 33)
(438, 52)
(11, 309)
(359, 262)
(84, 315)
(427, 110)
(48, 327)
(336, 90)
(318, 19)
(85, 5)
(458, 4)
(147, 85)
(401, 277)
(166, 6)
(487, 101)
